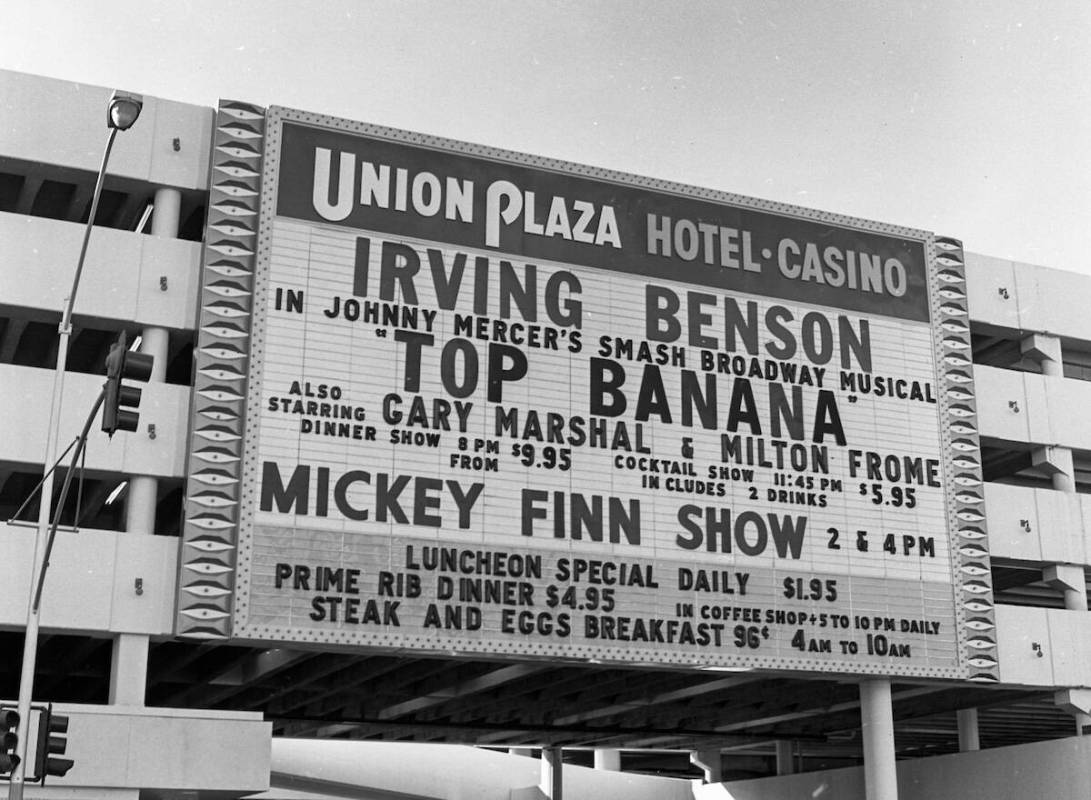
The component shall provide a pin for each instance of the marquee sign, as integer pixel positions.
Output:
(452, 399)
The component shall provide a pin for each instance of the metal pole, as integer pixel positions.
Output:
(45, 506)
(80, 451)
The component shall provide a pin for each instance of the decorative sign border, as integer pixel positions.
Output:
(207, 555)
(951, 331)
(215, 544)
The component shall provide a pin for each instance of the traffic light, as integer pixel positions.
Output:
(121, 401)
(52, 741)
(9, 739)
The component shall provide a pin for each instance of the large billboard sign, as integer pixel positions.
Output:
(451, 399)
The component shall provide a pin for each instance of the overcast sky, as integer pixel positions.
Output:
(969, 119)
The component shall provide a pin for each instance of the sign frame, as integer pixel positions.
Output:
(216, 545)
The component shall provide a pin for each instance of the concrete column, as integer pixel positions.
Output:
(156, 342)
(877, 724)
(129, 660)
(140, 511)
(968, 738)
(140, 507)
(1046, 351)
(786, 757)
(144, 490)
(166, 212)
(129, 669)
(1056, 461)
(552, 773)
(608, 760)
(711, 762)
(1071, 579)
(1076, 702)
(1067, 577)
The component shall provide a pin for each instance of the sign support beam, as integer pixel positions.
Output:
(877, 725)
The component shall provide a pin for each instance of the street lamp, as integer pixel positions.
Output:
(121, 112)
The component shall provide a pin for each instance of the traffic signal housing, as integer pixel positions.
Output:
(9, 739)
(121, 400)
(52, 742)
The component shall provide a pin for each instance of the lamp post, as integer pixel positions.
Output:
(121, 112)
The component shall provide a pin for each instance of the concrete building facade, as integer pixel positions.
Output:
(156, 717)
